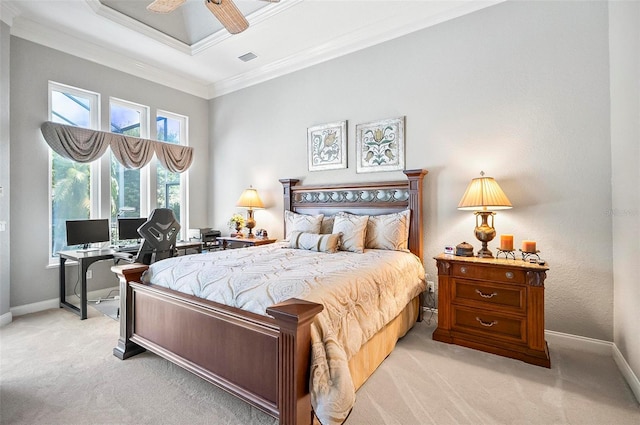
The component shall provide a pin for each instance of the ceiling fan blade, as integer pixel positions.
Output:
(164, 6)
(228, 14)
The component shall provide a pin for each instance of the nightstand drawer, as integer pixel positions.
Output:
(471, 271)
(490, 324)
(472, 292)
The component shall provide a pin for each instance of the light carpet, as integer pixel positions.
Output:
(57, 369)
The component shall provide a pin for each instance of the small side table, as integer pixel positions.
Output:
(243, 242)
(494, 305)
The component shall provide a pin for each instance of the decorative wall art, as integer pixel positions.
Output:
(327, 146)
(380, 145)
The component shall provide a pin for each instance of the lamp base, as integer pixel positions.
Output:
(251, 223)
(485, 252)
(484, 232)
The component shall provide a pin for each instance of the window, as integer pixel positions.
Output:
(73, 186)
(171, 188)
(82, 191)
(128, 187)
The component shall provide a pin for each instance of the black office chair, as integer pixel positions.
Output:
(159, 235)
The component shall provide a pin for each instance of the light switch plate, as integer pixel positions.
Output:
(3, 226)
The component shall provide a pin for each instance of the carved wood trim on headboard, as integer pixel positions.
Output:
(363, 198)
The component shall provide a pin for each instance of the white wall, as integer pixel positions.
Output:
(32, 66)
(624, 43)
(519, 90)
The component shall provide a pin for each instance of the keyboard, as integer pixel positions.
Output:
(128, 248)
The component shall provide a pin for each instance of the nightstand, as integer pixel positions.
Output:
(232, 241)
(493, 305)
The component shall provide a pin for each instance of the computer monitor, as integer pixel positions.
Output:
(128, 228)
(85, 232)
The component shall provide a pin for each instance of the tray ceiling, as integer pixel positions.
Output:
(189, 50)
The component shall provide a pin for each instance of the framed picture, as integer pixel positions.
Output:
(380, 146)
(327, 146)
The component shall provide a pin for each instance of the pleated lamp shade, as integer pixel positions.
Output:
(484, 193)
(250, 199)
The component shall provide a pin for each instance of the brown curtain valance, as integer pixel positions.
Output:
(84, 145)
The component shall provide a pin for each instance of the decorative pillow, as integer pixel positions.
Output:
(327, 226)
(315, 242)
(353, 229)
(389, 231)
(295, 222)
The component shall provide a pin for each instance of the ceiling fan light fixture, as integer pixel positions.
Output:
(164, 6)
(228, 14)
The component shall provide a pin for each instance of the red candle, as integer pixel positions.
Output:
(506, 242)
(528, 246)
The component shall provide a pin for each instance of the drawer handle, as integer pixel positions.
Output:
(483, 295)
(509, 275)
(463, 269)
(487, 324)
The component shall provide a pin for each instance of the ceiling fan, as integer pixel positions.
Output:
(224, 10)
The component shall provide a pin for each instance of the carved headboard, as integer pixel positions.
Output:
(363, 198)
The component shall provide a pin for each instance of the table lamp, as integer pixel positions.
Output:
(250, 200)
(483, 195)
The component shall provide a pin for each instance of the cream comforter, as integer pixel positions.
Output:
(360, 293)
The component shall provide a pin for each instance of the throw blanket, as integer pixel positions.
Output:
(360, 292)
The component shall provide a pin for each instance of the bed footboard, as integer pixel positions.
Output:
(262, 360)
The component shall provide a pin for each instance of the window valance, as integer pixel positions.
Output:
(85, 145)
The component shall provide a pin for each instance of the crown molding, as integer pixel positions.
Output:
(262, 14)
(349, 43)
(132, 24)
(254, 18)
(32, 31)
(8, 12)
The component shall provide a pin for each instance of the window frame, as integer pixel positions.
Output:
(145, 129)
(95, 166)
(184, 177)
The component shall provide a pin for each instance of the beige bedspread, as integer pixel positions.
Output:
(360, 293)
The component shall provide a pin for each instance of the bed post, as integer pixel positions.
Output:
(294, 317)
(416, 238)
(127, 273)
(286, 192)
(288, 200)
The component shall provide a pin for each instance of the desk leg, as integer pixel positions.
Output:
(63, 281)
(84, 266)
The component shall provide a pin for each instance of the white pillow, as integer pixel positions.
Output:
(353, 229)
(389, 231)
(295, 222)
(315, 242)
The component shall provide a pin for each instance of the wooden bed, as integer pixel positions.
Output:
(225, 345)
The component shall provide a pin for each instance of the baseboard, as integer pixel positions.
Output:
(55, 302)
(627, 372)
(582, 343)
(5, 319)
(35, 307)
(597, 346)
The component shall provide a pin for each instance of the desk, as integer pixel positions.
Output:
(84, 259)
(226, 240)
(185, 245)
